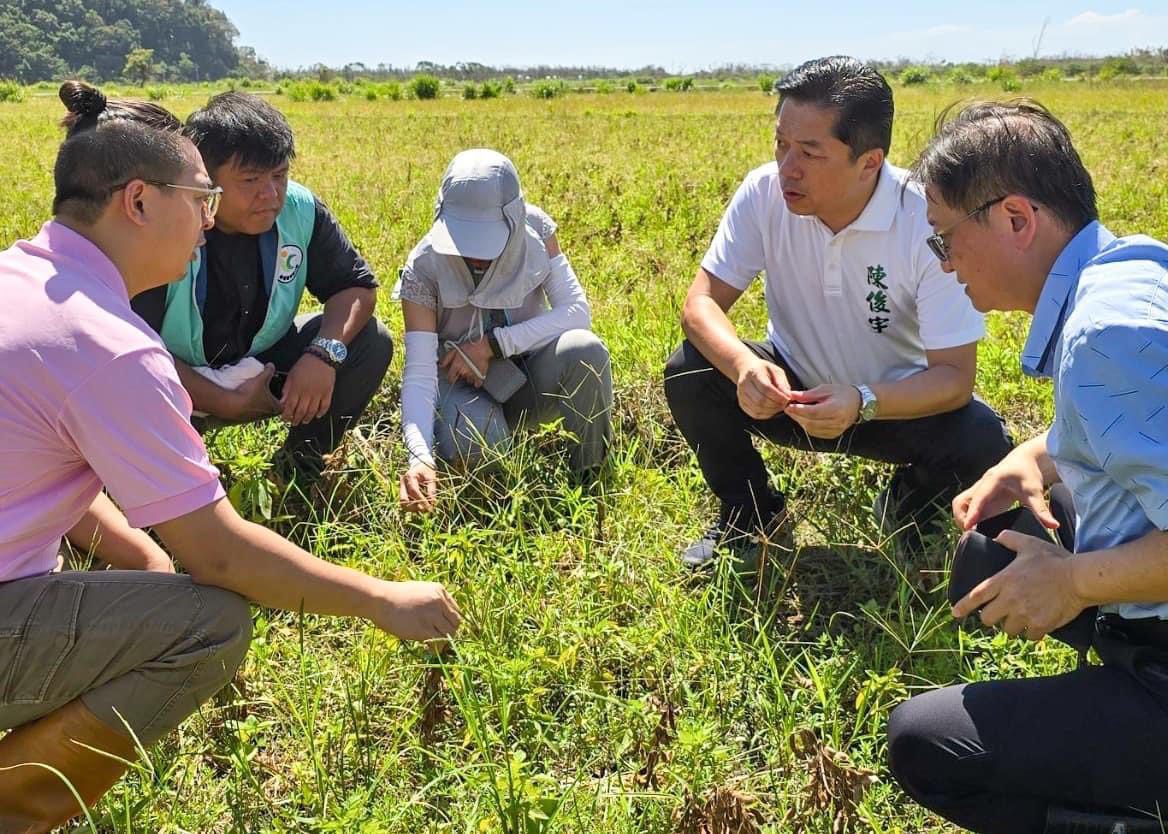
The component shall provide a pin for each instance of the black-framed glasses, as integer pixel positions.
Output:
(211, 196)
(936, 241)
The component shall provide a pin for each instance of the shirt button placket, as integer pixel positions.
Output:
(833, 281)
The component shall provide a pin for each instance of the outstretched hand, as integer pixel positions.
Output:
(417, 611)
(418, 489)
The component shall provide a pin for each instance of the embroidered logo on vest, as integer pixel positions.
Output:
(288, 260)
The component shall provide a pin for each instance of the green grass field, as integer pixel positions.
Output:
(595, 687)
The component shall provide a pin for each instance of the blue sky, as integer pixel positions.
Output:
(682, 35)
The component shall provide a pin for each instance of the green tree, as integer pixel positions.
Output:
(43, 39)
(425, 86)
(186, 69)
(139, 65)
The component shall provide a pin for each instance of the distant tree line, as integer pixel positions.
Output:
(464, 71)
(1149, 61)
(171, 40)
(1144, 62)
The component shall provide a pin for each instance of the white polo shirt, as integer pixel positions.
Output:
(856, 307)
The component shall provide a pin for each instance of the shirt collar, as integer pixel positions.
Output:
(1049, 312)
(59, 240)
(880, 211)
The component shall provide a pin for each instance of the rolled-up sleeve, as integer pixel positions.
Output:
(130, 421)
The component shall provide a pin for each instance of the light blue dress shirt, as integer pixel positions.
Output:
(1100, 329)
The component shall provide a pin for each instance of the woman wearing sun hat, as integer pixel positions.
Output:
(498, 331)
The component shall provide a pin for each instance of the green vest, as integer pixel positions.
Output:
(284, 261)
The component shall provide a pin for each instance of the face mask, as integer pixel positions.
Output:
(477, 272)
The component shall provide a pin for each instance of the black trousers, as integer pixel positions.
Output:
(993, 756)
(938, 456)
(358, 379)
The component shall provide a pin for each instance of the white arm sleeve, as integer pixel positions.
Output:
(569, 311)
(419, 393)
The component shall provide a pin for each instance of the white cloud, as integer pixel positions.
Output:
(1096, 19)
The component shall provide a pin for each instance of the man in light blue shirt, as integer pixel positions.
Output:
(1014, 215)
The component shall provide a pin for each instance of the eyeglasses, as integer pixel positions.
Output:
(211, 196)
(936, 241)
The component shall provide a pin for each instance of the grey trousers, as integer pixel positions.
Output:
(569, 378)
(138, 648)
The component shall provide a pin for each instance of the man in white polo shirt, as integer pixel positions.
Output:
(871, 348)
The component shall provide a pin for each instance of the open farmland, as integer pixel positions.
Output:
(595, 686)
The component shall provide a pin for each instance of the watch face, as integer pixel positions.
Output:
(335, 348)
(867, 404)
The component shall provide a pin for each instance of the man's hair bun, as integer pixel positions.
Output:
(85, 100)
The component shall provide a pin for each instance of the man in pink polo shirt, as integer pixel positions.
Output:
(90, 399)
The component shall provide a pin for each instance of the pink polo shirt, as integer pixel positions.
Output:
(89, 397)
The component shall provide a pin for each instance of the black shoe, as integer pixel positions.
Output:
(1069, 821)
(741, 535)
(302, 466)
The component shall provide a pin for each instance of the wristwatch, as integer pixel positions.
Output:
(868, 404)
(333, 349)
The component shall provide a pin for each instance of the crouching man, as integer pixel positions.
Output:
(1014, 215)
(231, 323)
(89, 398)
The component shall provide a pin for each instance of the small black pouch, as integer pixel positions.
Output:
(978, 557)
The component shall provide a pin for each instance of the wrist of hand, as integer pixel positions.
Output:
(229, 405)
(874, 404)
(1078, 568)
(1020, 458)
(742, 363)
(319, 353)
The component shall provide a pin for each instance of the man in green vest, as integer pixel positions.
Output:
(231, 323)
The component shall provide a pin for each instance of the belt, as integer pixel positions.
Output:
(1144, 631)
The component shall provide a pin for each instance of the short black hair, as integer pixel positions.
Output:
(108, 144)
(859, 94)
(242, 127)
(985, 150)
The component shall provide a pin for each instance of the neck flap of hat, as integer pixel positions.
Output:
(520, 268)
